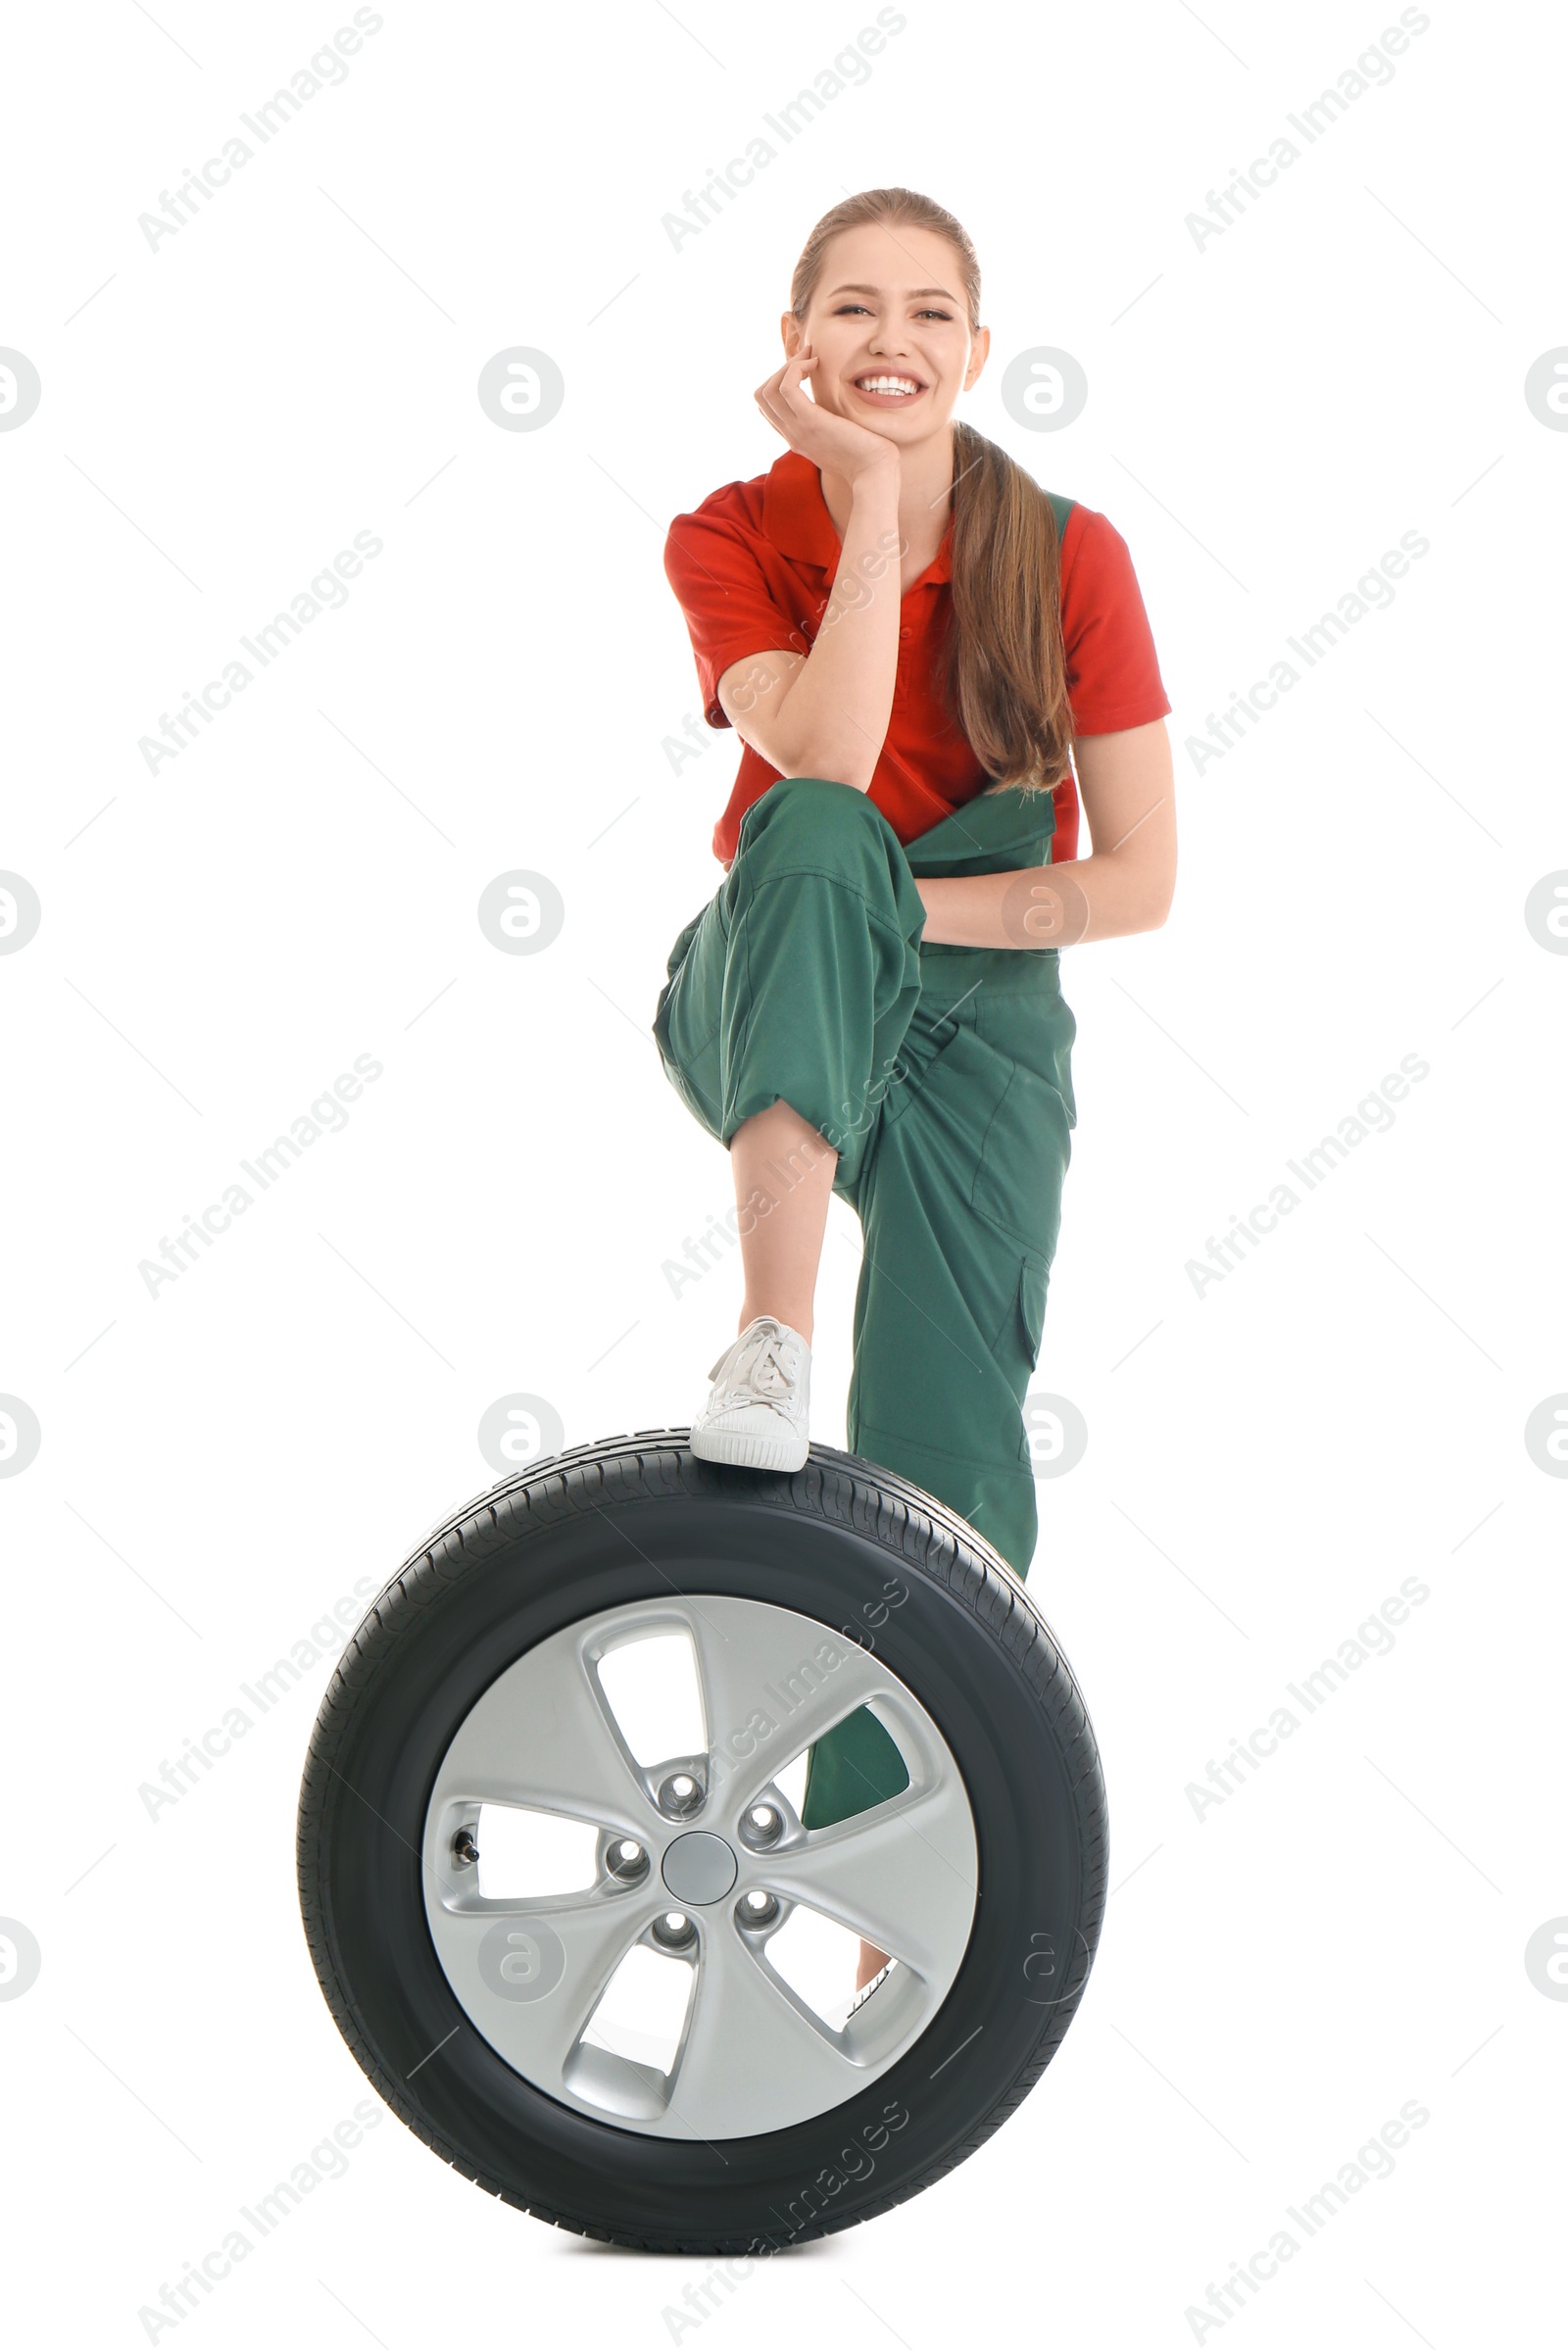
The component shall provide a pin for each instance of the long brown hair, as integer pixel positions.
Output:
(1007, 667)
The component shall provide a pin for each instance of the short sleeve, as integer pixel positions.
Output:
(1113, 678)
(724, 591)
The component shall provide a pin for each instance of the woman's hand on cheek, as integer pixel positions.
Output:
(831, 442)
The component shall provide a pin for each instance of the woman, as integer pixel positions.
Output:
(909, 636)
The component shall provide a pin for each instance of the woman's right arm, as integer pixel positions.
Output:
(826, 713)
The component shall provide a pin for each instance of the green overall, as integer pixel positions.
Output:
(941, 1077)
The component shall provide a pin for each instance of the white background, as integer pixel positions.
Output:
(1266, 1463)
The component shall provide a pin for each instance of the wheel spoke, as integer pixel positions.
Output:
(772, 1682)
(546, 1738)
(537, 2034)
(750, 2054)
(901, 1876)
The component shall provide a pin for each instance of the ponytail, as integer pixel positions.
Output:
(1006, 676)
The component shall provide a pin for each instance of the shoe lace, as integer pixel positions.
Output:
(765, 1370)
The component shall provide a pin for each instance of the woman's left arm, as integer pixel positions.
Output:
(1128, 791)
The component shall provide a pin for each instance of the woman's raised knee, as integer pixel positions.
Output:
(809, 816)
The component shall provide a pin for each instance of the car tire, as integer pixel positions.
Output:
(903, 1594)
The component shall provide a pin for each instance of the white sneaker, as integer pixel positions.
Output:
(866, 1989)
(756, 1415)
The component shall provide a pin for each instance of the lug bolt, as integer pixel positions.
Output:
(680, 1794)
(674, 1930)
(626, 1860)
(757, 1909)
(762, 1827)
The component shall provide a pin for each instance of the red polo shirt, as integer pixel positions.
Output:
(752, 569)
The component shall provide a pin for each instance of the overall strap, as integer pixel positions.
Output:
(999, 831)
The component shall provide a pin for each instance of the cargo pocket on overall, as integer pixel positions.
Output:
(961, 1081)
(1023, 1162)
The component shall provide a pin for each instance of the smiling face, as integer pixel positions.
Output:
(890, 328)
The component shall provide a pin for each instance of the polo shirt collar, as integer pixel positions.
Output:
(795, 518)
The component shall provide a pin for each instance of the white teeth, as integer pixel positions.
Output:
(888, 384)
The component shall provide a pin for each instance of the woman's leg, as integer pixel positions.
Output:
(780, 1024)
(784, 1174)
(960, 1207)
(778, 1156)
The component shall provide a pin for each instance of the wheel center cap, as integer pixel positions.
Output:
(698, 1867)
